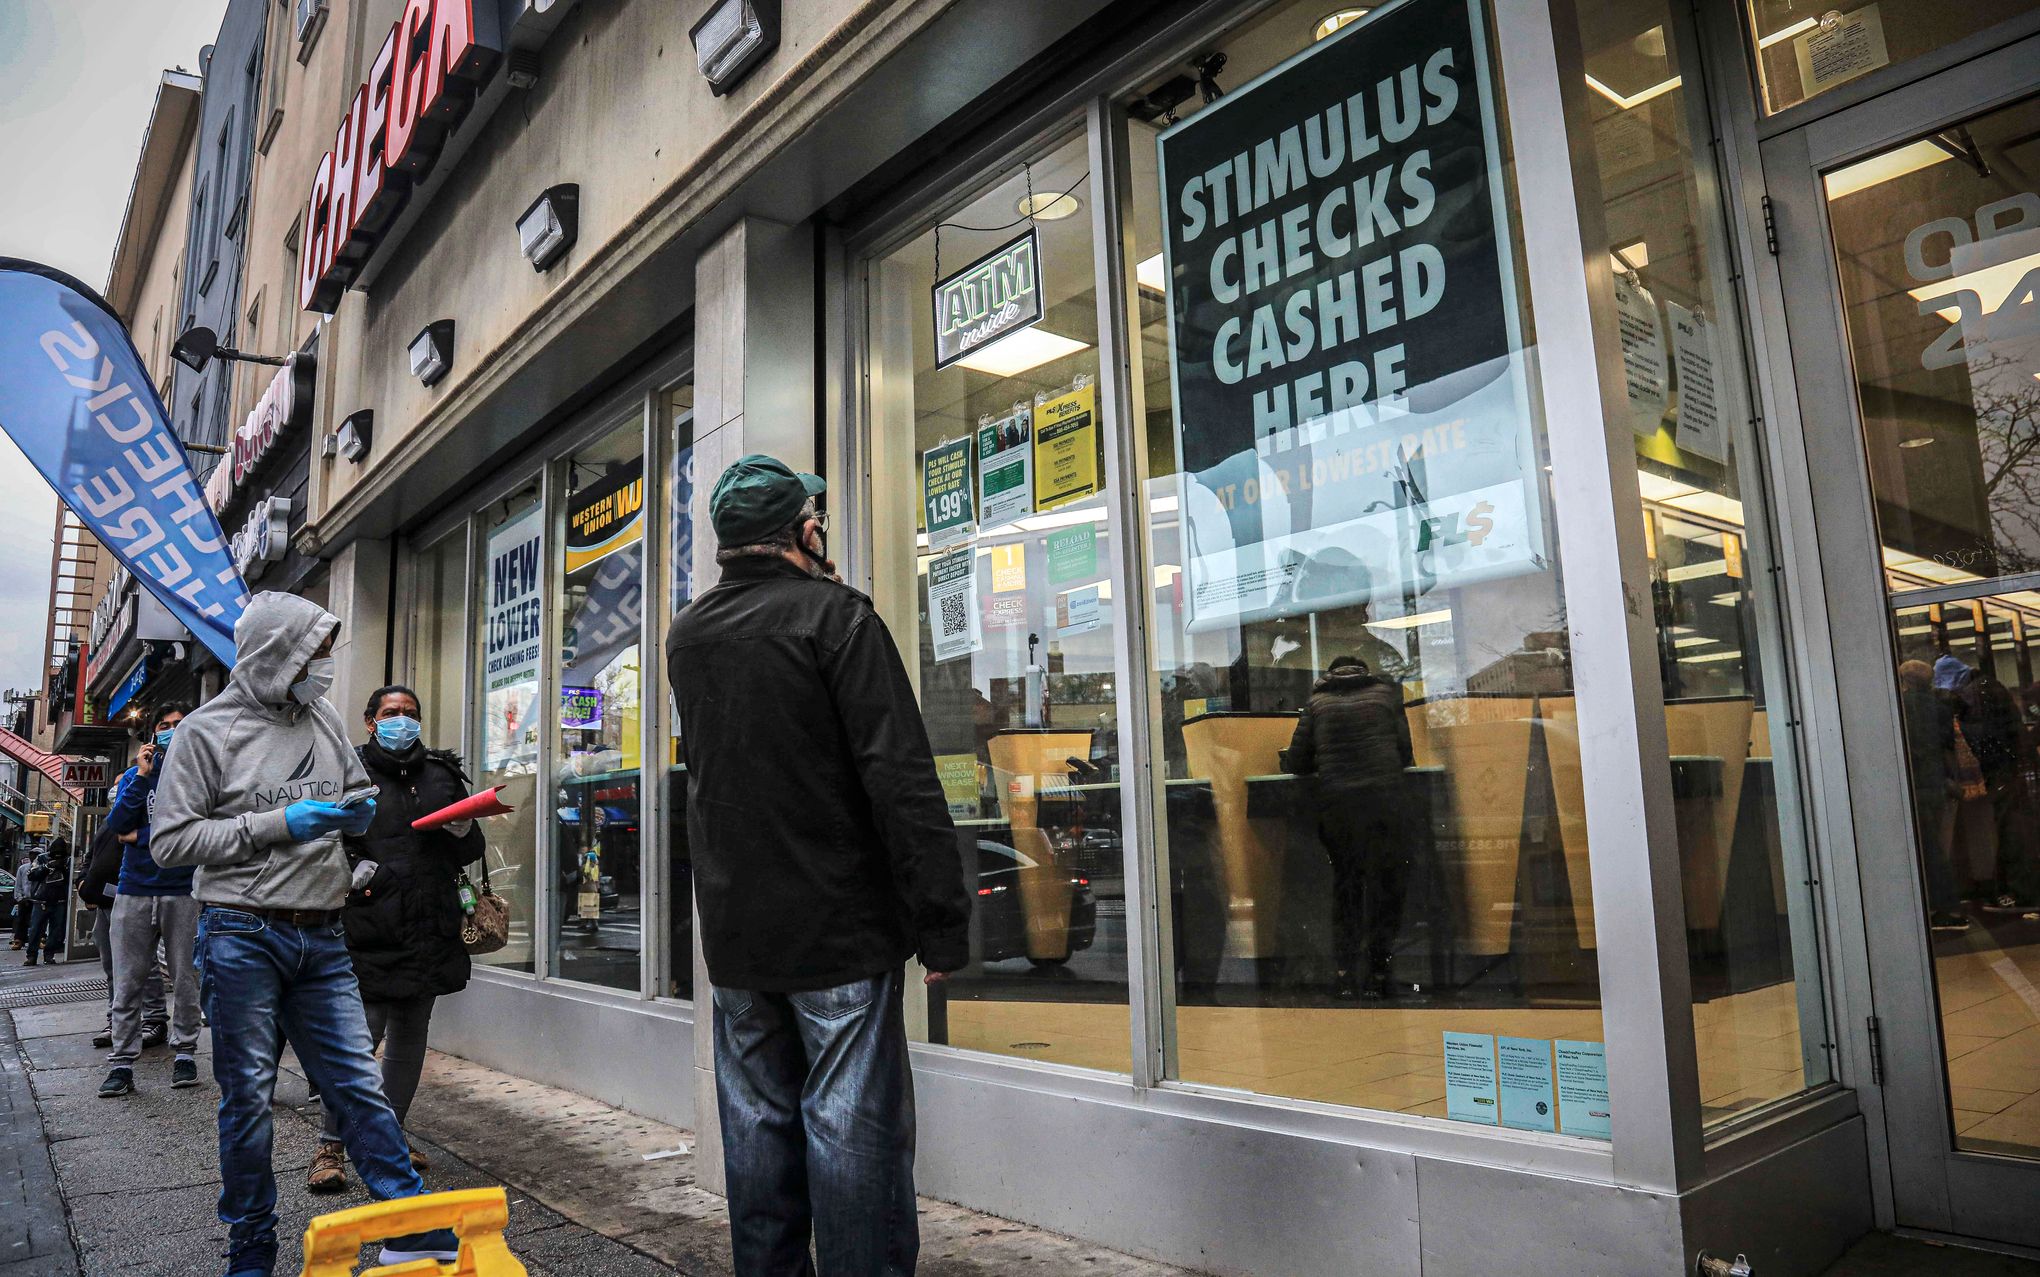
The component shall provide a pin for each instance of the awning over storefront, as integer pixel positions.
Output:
(50, 765)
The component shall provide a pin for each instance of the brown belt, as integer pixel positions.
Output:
(295, 917)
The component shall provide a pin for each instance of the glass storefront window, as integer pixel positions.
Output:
(678, 495)
(508, 601)
(438, 655)
(992, 577)
(597, 882)
(1938, 249)
(1375, 835)
(1751, 930)
(1806, 47)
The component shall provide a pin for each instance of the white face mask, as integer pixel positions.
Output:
(318, 677)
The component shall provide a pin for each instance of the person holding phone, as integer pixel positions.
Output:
(152, 905)
(405, 913)
(258, 793)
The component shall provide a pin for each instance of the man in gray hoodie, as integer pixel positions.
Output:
(256, 795)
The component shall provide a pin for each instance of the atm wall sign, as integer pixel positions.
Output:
(993, 297)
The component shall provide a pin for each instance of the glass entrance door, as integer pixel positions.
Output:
(1909, 238)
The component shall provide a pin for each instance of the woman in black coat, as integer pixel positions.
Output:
(405, 914)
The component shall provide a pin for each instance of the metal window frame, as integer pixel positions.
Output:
(1850, 604)
(1646, 1000)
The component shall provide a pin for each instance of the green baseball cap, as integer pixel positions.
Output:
(757, 496)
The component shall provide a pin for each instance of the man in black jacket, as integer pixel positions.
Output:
(824, 858)
(1354, 736)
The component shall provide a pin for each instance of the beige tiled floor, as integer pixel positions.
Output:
(1378, 1057)
(1392, 1057)
(1990, 1021)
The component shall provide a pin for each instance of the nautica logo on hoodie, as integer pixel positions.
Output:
(291, 790)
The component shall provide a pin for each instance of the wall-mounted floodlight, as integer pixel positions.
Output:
(733, 37)
(432, 351)
(550, 226)
(354, 436)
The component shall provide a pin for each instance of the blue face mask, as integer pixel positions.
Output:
(163, 738)
(399, 733)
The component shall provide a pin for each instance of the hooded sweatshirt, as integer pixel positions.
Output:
(245, 756)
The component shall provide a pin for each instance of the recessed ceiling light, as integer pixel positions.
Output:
(1048, 208)
(1920, 441)
(1331, 22)
(1152, 273)
(1015, 353)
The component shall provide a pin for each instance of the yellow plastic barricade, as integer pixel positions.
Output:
(333, 1242)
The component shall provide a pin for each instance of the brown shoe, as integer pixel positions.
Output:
(329, 1170)
(419, 1162)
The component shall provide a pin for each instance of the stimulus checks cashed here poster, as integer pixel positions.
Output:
(1351, 390)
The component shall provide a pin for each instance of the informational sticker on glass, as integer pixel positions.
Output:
(1351, 391)
(946, 509)
(1009, 567)
(1006, 469)
(1701, 429)
(993, 297)
(606, 515)
(1470, 1078)
(1072, 553)
(1583, 1089)
(516, 567)
(1523, 1079)
(1644, 370)
(959, 776)
(1842, 47)
(1066, 448)
(1006, 611)
(1077, 612)
(952, 604)
(581, 708)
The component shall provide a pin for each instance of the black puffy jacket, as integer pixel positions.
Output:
(823, 849)
(403, 927)
(1354, 735)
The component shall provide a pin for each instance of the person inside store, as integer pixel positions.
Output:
(49, 883)
(257, 795)
(152, 906)
(98, 884)
(1354, 737)
(1930, 743)
(405, 911)
(824, 859)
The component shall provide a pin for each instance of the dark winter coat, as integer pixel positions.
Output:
(403, 927)
(823, 850)
(1354, 736)
(102, 870)
(50, 876)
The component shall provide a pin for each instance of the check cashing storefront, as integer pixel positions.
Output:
(1508, 348)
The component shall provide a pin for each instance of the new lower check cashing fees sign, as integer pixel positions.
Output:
(1351, 393)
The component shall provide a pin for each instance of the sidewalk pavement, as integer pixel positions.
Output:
(91, 1186)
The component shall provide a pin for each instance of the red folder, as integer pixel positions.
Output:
(473, 806)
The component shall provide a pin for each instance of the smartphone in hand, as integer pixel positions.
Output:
(360, 796)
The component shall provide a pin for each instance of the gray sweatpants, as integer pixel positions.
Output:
(138, 923)
(153, 1010)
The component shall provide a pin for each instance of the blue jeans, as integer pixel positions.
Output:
(263, 980)
(46, 930)
(817, 1104)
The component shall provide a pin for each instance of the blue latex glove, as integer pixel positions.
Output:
(308, 819)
